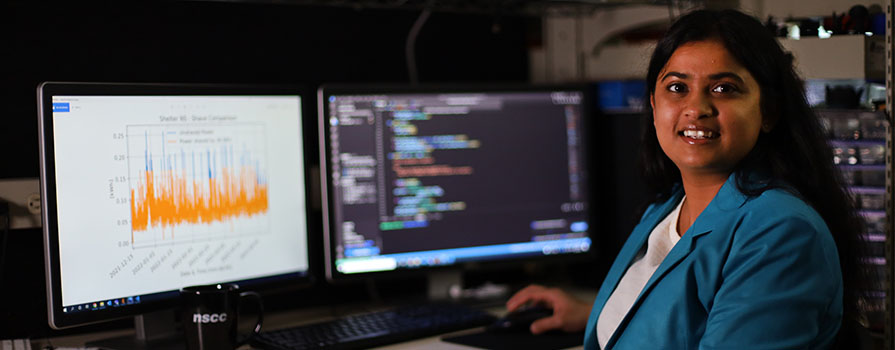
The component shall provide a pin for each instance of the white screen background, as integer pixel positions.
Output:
(100, 145)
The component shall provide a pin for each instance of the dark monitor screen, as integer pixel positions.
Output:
(148, 188)
(440, 176)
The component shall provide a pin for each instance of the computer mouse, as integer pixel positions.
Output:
(520, 320)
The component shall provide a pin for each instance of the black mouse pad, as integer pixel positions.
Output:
(501, 341)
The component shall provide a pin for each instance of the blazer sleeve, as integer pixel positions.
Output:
(781, 287)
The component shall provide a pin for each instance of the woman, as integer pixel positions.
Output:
(751, 229)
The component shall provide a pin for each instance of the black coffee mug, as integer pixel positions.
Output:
(210, 315)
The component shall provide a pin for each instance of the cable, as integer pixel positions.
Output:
(671, 11)
(4, 211)
(373, 292)
(410, 46)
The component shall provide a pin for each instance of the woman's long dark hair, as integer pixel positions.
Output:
(795, 153)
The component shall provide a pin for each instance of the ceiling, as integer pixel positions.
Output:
(536, 8)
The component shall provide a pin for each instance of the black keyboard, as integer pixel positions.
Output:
(376, 328)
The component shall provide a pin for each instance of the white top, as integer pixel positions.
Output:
(660, 242)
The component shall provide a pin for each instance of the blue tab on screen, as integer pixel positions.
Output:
(60, 107)
(355, 252)
(579, 226)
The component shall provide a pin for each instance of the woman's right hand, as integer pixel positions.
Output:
(569, 314)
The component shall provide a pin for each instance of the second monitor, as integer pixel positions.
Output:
(440, 176)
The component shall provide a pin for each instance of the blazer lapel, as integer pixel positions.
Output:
(626, 256)
(678, 253)
(728, 197)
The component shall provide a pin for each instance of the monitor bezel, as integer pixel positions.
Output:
(58, 319)
(589, 112)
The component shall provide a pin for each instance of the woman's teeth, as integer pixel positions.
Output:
(699, 134)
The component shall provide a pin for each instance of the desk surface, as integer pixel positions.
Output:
(291, 318)
(433, 343)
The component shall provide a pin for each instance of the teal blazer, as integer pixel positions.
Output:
(750, 273)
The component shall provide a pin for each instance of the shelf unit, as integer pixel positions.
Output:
(889, 61)
(858, 140)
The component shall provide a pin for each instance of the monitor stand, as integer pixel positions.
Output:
(155, 330)
(441, 282)
(448, 285)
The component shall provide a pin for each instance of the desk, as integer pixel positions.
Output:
(291, 318)
(433, 343)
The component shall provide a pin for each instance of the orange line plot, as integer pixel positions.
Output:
(168, 198)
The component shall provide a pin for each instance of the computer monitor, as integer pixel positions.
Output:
(418, 178)
(148, 188)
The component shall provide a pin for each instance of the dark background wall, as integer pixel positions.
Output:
(232, 42)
